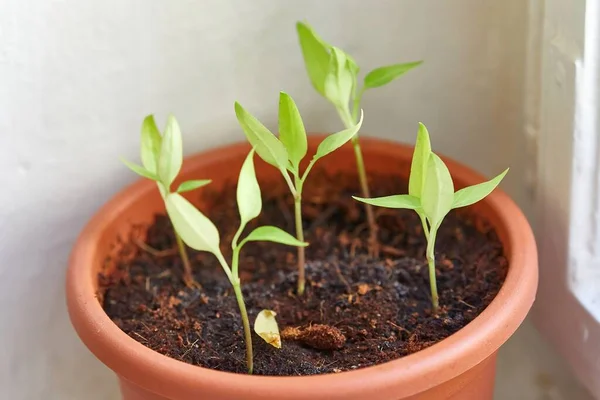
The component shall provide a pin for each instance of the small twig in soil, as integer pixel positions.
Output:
(324, 216)
(466, 304)
(153, 251)
(398, 327)
(392, 250)
(188, 350)
(343, 279)
(140, 336)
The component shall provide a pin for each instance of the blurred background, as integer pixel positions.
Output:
(503, 83)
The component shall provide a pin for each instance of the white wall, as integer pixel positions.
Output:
(77, 77)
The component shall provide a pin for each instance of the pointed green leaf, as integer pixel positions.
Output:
(337, 140)
(151, 142)
(248, 192)
(339, 81)
(384, 75)
(438, 193)
(418, 166)
(272, 234)
(138, 169)
(266, 327)
(316, 56)
(396, 201)
(171, 153)
(473, 194)
(194, 228)
(268, 147)
(291, 129)
(193, 184)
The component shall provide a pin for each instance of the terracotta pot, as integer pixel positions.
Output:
(459, 367)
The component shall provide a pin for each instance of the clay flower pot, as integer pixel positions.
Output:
(459, 367)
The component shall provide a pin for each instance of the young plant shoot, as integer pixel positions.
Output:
(162, 157)
(287, 152)
(198, 232)
(334, 75)
(431, 194)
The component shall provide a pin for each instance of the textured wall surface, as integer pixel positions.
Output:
(77, 77)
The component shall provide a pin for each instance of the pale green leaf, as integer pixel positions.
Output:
(395, 201)
(194, 228)
(473, 194)
(384, 75)
(291, 129)
(418, 166)
(340, 79)
(151, 142)
(274, 234)
(268, 147)
(438, 193)
(248, 192)
(337, 140)
(266, 327)
(316, 56)
(193, 184)
(138, 169)
(171, 153)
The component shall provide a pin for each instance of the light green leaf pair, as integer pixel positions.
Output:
(288, 151)
(162, 156)
(430, 187)
(250, 205)
(316, 56)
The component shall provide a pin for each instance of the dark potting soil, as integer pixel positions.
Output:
(357, 310)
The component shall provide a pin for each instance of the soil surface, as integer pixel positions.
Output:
(357, 310)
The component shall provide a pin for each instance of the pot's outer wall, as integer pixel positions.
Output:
(459, 367)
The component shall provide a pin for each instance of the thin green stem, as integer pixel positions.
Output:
(235, 257)
(289, 182)
(435, 302)
(246, 323)
(362, 174)
(188, 277)
(356, 104)
(300, 237)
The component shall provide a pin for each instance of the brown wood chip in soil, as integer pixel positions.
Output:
(362, 311)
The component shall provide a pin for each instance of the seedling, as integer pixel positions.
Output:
(431, 194)
(287, 152)
(162, 157)
(198, 232)
(334, 74)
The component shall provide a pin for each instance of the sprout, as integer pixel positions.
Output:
(431, 194)
(266, 327)
(198, 232)
(162, 157)
(287, 152)
(333, 73)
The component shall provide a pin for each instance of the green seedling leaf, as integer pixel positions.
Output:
(291, 130)
(138, 169)
(396, 201)
(196, 230)
(151, 143)
(438, 193)
(191, 185)
(268, 147)
(248, 192)
(337, 140)
(473, 194)
(266, 327)
(418, 167)
(384, 75)
(340, 79)
(273, 234)
(316, 56)
(171, 153)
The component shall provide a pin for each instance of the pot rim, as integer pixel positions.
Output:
(428, 368)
